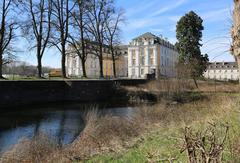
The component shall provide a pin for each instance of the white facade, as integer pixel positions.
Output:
(223, 71)
(149, 54)
(74, 66)
(92, 66)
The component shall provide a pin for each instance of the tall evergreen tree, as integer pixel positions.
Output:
(189, 35)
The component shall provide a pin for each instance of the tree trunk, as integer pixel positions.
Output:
(195, 82)
(101, 61)
(39, 58)
(1, 66)
(80, 3)
(83, 58)
(236, 34)
(63, 61)
(114, 68)
(114, 62)
(101, 66)
(238, 61)
(84, 68)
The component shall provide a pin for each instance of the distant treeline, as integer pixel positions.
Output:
(23, 69)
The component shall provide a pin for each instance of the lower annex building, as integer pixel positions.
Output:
(223, 71)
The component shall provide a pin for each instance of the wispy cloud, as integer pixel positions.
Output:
(217, 15)
(158, 30)
(169, 7)
(141, 7)
(174, 18)
(147, 14)
(135, 24)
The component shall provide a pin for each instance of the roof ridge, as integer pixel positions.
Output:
(146, 34)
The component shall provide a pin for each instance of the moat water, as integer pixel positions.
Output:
(62, 122)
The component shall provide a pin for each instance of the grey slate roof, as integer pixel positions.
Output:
(158, 40)
(222, 65)
(146, 35)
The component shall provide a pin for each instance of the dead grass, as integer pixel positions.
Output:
(178, 90)
(212, 86)
(183, 85)
(36, 149)
(104, 134)
(169, 85)
(211, 107)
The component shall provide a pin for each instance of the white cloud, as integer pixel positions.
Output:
(175, 18)
(158, 30)
(141, 23)
(150, 19)
(169, 7)
(140, 7)
(217, 15)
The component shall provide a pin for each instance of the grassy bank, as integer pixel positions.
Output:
(165, 139)
(153, 134)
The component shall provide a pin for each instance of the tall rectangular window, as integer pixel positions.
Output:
(133, 72)
(152, 61)
(134, 62)
(151, 56)
(133, 54)
(142, 60)
(162, 62)
(74, 63)
(150, 52)
(133, 57)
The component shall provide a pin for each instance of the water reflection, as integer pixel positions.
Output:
(63, 123)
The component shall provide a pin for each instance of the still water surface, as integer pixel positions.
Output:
(62, 122)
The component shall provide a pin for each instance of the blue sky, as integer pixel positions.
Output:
(160, 17)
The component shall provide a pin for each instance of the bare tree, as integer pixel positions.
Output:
(61, 11)
(98, 13)
(112, 36)
(78, 39)
(7, 26)
(37, 26)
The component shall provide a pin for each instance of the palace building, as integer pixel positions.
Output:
(223, 71)
(74, 65)
(151, 55)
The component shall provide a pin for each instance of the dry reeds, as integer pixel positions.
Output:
(208, 108)
(110, 133)
(185, 85)
(169, 85)
(37, 149)
(104, 134)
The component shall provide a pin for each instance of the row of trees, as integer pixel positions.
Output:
(60, 23)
